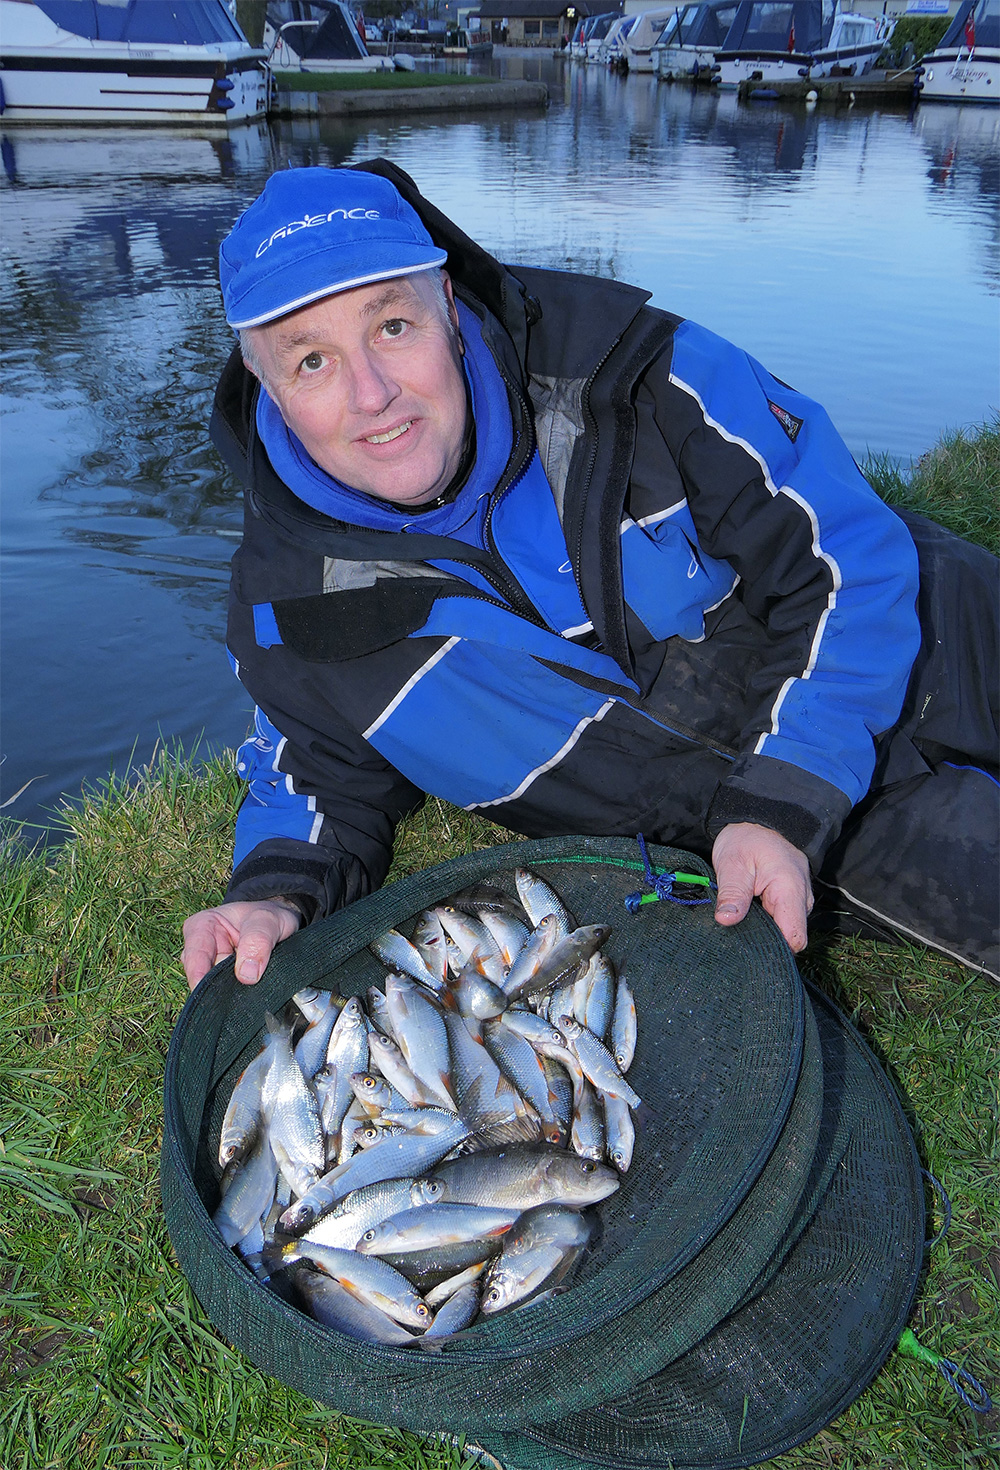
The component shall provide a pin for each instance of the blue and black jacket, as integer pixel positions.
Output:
(687, 609)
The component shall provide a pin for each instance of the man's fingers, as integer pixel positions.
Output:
(735, 878)
(206, 942)
(788, 909)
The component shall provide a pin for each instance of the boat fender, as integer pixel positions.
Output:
(812, 96)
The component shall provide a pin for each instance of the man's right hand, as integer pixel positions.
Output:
(250, 930)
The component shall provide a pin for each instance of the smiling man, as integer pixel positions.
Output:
(515, 538)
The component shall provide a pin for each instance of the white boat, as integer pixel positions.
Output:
(612, 48)
(317, 35)
(689, 40)
(77, 61)
(965, 67)
(596, 34)
(637, 47)
(783, 41)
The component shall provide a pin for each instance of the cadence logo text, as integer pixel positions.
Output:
(310, 222)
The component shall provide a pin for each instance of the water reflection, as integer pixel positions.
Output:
(846, 250)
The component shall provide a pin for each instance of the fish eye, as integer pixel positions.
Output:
(368, 1235)
(588, 1166)
(493, 1296)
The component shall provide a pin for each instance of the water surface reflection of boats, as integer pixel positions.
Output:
(159, 61)
(770, 42)
(965, 67)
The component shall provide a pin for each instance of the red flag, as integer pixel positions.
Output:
(361, 26)
(791, 37)
(970, 30)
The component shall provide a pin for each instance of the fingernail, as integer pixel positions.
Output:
(727, 909)
(249, 972)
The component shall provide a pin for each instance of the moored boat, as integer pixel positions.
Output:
(692, 35)
(637, 45)
(771, 42)
(82, 61)
(965, 67)
(317, 35)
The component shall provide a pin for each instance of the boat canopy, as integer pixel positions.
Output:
(164, 22)
(976, 24)
(781, 25)
(602, 24)
(336, 38)
(699, 25)
(648, 25)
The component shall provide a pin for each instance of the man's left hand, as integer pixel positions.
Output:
(756, 862)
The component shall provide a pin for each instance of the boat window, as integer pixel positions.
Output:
(986, 21)
(770, 26)
(716, 26)
(852, 33)
(185, 22)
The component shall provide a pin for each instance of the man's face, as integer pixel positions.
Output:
(370, 381)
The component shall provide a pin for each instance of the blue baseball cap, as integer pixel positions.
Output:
(315, 231)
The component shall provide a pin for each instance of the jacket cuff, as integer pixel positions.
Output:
(804, 809)
(317, 881)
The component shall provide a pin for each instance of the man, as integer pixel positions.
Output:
(519, 540)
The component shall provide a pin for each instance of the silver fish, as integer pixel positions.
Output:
(623, 1027)
(346, 1222)
(432, 1225)
(537, 1253)
(522, 1066)
(457, 1313)
(518, 1177)
(619, 1132)
(419, 1027)
(564, 956)
(336, 1307)
(393, 1158)
(540, 944)
(429, 942)
(390, 1061)
(243, 1118)
(600, 998)
(397, 953)
(510, 934)
(375, 1094)
(248, 1189)
(447, 1288)
(368, 1278)
(587, 1135)
(596, 1061)
(538, 899)
(474, 939)
(310, 1049)
(292, 1112)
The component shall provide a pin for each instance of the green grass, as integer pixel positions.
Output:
(370, 81)
(957, 483)
(106, 1360)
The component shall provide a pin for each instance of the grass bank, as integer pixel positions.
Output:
(106, 1360)
(370, 81)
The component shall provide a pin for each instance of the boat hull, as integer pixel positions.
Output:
(90, 88)
(736, 67)
(957, 76)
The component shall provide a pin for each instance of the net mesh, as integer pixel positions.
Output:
(738, 1140)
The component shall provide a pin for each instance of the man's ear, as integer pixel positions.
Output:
(453, 310)
(251, 369)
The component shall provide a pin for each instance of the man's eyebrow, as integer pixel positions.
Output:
(391, 296)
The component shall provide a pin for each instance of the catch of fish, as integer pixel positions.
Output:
(402, 1165)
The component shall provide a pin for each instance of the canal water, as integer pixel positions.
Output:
(853, 252)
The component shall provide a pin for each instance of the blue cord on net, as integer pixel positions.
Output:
(663, 885)
(956, 1377)
(942, 1195)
